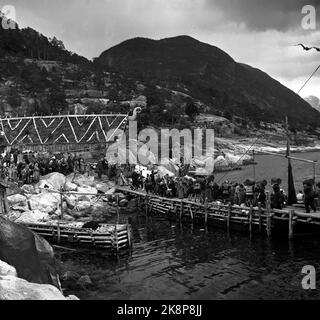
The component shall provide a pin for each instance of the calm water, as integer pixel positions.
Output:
(173, 262)
(269, 167)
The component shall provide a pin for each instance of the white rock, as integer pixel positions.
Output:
(111, 191)
(44, 184)
(102, 187)
(71, 201)
(12, 288)
(34, 216)
(7, 270)
(17, 200)
(81, 180)
(13, 215)
(69, 186)
(72, 297)
(46, 202)
(28, 189)
(83, 205)
(89, 191)
(55, 179)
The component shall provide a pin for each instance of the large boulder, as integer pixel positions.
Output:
(34, 216)
(46, 202)
(7, 270)
(69, 186)
(81, 180)
(84, 281)
(83, 206)
(18, 248)
(13, 215)
(17, 200)
(54, 179)
(103, 187)
(12, 288)
(71, 201)
(28, 189)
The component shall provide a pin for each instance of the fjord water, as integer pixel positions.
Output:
(170, 261)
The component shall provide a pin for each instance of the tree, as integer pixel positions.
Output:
(57, 43)
(227, 114)
(14, 98)
(57, 100)
(191, 110)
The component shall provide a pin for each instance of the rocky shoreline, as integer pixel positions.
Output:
(14, 288)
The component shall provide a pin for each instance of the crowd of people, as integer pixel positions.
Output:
(205, 188)
(28, 168)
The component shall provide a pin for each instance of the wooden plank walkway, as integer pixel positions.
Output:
(253, 219)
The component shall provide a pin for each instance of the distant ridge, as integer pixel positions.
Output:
(207, 73)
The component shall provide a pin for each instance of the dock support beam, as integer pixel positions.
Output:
(291, 215)
(147, 205)
(260, 218)
(250, 219)
(206, 212)
(181, 210)
(229, 216)
(268, 223)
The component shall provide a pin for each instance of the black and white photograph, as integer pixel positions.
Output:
(157, 154)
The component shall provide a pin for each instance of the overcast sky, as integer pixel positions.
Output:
(257, 32)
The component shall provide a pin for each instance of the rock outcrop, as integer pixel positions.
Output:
(42, 203)
(14, 288)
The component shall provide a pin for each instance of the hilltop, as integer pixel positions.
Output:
(209, 75)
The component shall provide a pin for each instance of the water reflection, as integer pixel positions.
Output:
(174, 262)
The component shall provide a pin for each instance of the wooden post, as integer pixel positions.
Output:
(191, 213)
(181, 210)
(61, 214)
(250, 219)
(260, 218)
(268, 215)
(146, 204)
(291, 215)
(129, 235)
(206, 212)
(229, 216)
(61, 202)
(117, 242)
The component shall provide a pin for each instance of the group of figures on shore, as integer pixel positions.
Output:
(204, 188)
(27, 169)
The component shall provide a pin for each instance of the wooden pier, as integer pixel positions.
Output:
(272, 222)
(111, 237)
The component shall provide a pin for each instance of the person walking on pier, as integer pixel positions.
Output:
(309, 196)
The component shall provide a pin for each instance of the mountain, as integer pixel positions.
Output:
(29, 43)
(207, 74)
(314, 102)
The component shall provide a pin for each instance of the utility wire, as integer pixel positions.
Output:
(313, 73)
(236, 164)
